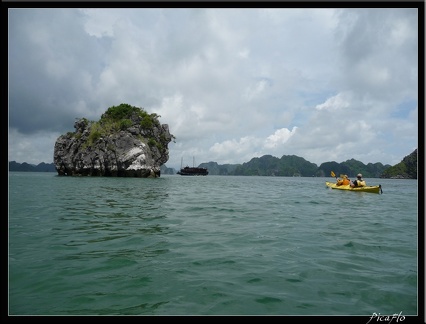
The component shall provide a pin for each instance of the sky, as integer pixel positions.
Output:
(232, 84)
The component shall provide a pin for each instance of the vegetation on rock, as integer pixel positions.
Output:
(120, 118)
(406, 169)
(125, 142)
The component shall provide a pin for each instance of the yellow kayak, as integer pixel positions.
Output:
(372, 189)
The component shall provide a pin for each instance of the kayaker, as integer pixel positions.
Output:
(359, 182)
(343, 182)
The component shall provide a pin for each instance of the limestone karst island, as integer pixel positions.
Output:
(125, 142)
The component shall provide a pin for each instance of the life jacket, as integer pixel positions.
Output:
(359, 183)
(343, 182)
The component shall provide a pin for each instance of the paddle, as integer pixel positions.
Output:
(333, 175)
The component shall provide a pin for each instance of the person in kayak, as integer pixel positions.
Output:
(359, 182)
(343, 182)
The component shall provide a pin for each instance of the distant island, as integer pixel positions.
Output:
(286, 166)
(294, 166)
(26, 167)
(126, 141)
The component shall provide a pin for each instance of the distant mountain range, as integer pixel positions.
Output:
(286, 166)
(294, 166)
(42, 167)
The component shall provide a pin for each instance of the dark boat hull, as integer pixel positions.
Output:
(187, 171)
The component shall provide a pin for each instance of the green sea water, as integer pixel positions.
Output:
(214, 245)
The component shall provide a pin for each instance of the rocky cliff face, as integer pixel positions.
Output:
(126, 142)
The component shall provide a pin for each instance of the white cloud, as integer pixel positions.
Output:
(334, 103)
(254, 91)
(280, 137)
(31, 149)
(234, 150)
(231, 84)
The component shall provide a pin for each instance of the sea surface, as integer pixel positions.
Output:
(212, 245)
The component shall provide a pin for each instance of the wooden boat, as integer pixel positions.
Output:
(193, 171)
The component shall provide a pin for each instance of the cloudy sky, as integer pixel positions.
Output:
(232, 84)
